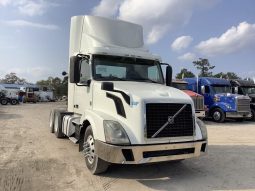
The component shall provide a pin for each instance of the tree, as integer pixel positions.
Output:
(228, 75)
(12, 78)
(184, 73)
(58, 85)
(204, 67)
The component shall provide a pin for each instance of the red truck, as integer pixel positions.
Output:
(197, 98)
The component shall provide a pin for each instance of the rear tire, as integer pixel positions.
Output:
(218, 115)
(93, 162)
(14, 101)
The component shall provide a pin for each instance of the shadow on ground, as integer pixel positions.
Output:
(223, 168)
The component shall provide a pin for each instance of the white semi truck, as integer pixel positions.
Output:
(120, 108)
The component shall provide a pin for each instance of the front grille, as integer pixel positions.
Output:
(157, 115)
(198, 102)
(243, 105)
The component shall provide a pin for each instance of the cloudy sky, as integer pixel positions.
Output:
(34, 34)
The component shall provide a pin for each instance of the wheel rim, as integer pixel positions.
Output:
(89, 149)
(4, 102)
(216, 115)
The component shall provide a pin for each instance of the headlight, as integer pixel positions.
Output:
(228, 106)
(114, 133)
(202, 128)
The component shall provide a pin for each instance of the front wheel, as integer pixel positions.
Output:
(4, 101)
(93, 162)
(218, 115)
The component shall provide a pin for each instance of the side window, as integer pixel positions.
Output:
(207, 89)
(153, 73)
(85, 71)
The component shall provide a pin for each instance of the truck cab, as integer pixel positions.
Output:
(120, 108)
(197, 98)
(218, 98)
(245, 87)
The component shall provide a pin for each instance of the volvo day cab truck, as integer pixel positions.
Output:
(120, 109)
(220, 101)
(245, 87)
(197, 98)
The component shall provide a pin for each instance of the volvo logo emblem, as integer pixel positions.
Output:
(170, 120)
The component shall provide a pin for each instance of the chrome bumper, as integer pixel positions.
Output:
(200, 114)
(149, 153)
(238, 114)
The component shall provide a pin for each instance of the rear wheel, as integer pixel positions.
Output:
(93, 162)
(14, 101)
(218, 115)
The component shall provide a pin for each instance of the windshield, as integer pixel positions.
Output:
(116, 68)
(221, 89)
(180, 86)
(248, 90)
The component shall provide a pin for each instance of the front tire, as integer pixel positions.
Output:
(4, 101)
(218, 115)
(93, 162)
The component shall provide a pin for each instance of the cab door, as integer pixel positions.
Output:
(83, 90)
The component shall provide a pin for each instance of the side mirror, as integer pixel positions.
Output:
(74, 69)
(236, 90)
(107, 86)
(202, 89)
(169, 73)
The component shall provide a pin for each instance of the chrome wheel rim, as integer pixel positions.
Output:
(216, 115)
(89, 149)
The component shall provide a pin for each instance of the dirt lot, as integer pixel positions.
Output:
(31, 158)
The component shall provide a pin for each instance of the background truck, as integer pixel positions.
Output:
(119, 108)
(220, 101)
(197, 98)
(245, 87)
(7, 96)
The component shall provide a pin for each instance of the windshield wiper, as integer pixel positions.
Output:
(147, 80)
(113, 78)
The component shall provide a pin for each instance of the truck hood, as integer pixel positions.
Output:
(152, 92)
(191, 93)
(225, 97)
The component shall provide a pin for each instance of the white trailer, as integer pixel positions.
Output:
(120, 109)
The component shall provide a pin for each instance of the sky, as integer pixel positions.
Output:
(34, 34)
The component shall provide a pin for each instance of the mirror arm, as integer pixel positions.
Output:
(87, 84)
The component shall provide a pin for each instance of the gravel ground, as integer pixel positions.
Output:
(31, 158)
